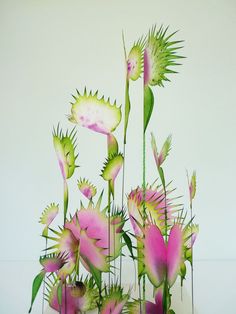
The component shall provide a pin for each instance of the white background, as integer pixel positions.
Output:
(50, 48)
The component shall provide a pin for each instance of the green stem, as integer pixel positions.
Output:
(65, 297)
(77, 262)
(166, 216)
(192, 276)
(122, 204)
(144, 214)
(165, 296)
(46, 246)
(66, 197)
(109, 233)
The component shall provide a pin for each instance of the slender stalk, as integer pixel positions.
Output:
(166, 216)
(46, 246)
(109, 234)
(192, 275)
(66, 194)
(77, 262)
(65, 297)
(144, 213)
(140, 297)
(122, 202)
(127, 111)
(166, 295)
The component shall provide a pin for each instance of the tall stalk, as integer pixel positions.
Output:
(192, 275)
(144, 213)
(109, 234)
(127, 111)
(122, 204)
(192, 192)
(46, 246)
(66, 195)
(65, 202)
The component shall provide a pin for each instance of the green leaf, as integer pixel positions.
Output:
(162, 176)
(127, 109)
(35, 287)
(45, 232)
(148, 105)
(112, 145)
(59, 293)
(128, 242)
(140, 259)
(65, 199)
(97, 274)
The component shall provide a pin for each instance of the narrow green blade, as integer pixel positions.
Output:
(35, 287)
(127, 109)
(128, 242)
(148, 105)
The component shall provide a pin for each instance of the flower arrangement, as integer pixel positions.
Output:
(95, 235)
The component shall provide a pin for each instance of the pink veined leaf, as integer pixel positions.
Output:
(159, 301)
(67, 245)
(114, 300)
(53, 262)
(87, 188)
(155, 208)
(151, 307)
(78, 297)
(96, 114)
(162, 260)
(160, 157)
(114, 307)
(154, 252)
(190, 235)
(49, 214)
(64, 144)
(90, 227)
(174, 253)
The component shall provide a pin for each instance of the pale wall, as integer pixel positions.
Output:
(50, 48)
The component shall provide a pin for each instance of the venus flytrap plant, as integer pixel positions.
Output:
(64, 145)
(100, 116)
(94, 235)
(46, 219)
(159, 56)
